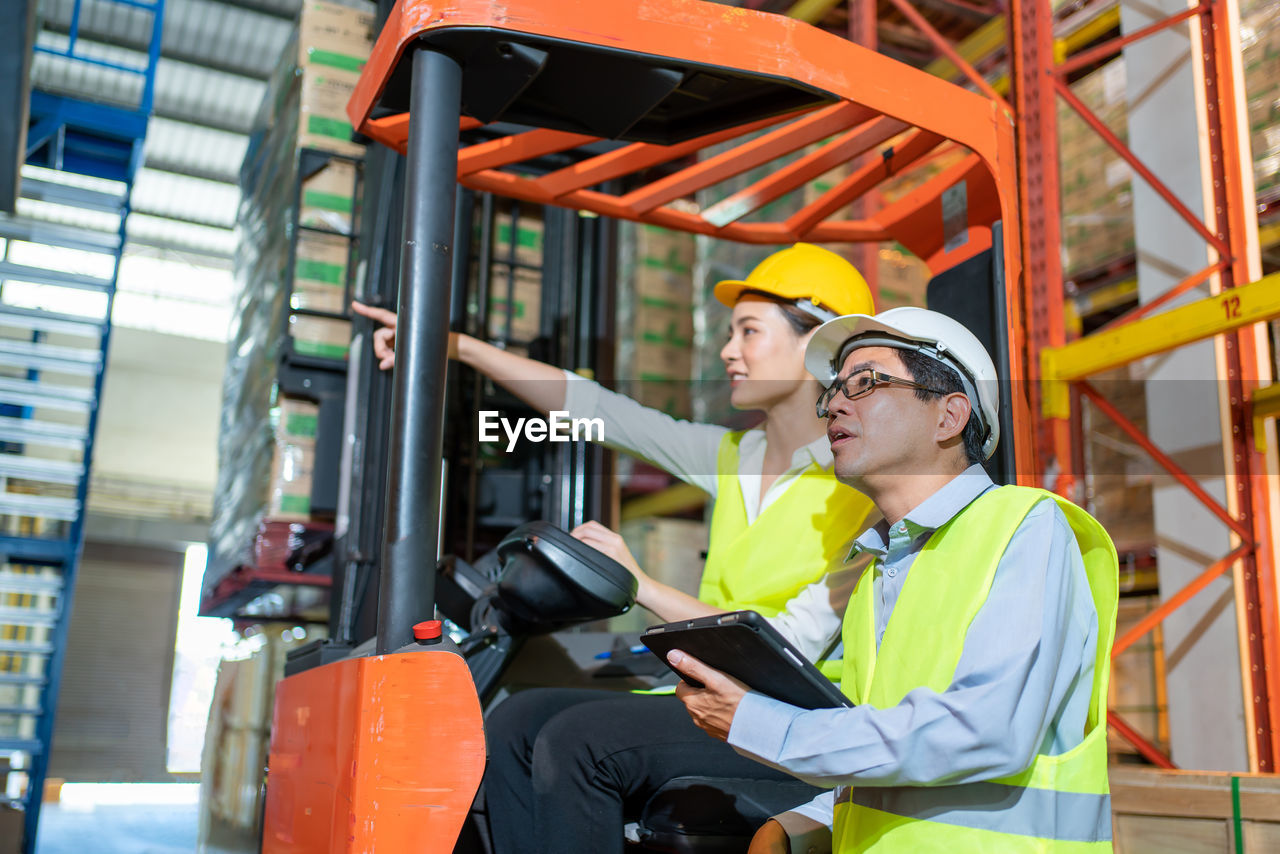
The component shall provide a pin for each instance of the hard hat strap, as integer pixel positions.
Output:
(938, 352)
(814, 310)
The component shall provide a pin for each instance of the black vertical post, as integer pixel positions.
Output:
(407, 590)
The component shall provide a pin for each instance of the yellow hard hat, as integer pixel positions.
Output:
(815, 279)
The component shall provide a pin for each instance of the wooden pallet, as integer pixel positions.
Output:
(1194, 812)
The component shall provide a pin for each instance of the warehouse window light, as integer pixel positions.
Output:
(163, 292)
(54, 298)
(201, 644)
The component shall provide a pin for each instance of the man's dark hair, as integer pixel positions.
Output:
(928, 371)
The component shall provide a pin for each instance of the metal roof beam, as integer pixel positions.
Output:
(189, 220)
(290, 14)
(187, 170)
(181, 248)
(201, 120)
(138, 42)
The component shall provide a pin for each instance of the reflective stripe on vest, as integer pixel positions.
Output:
(1043, 813)
(792, 543)
(1059, 803)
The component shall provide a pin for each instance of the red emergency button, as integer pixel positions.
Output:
(428, 631)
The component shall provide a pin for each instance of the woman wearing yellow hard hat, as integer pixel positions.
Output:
(771, 536)
(754, 560)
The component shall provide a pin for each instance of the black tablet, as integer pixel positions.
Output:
(744, 645)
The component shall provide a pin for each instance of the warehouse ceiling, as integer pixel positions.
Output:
(216, 57)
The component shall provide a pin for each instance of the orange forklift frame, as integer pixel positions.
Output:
(392, 744)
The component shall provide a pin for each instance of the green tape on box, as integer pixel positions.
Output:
(670, 264)
(659, 302)
(298, 424)
(1237, 826)
(324, 126)
(300, 504)
(525, 237)
(320, 271)
(328, 201)
(668, 336)
(335, 60)
(500, 305)
(320, 349)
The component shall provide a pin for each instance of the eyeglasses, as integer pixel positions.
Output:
(862, 383)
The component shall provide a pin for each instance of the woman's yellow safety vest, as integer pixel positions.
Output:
(792, 543)
(1060, 803)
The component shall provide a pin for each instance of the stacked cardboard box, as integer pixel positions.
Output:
(1137, 689)
(293, 461)
(655, 318)
(1260, 44)
(528, 243)
(237, 737)
(318, 72)
(304, 108)
(919, 173)
(284, 264)
(328, 197)
(670, 551)
(516, 299)
(515, 279)
(901, 278)
(320, 274)
(270, 478)
(1097, 198)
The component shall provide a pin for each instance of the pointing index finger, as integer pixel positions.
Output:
(381, 315)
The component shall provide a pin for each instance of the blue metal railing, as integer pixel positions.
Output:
(147, 72)
(112, 142)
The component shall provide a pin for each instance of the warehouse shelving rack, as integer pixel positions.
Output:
(1052, 50)
(309, 162)
(1240, 302)
(291, 553)
(49, 396)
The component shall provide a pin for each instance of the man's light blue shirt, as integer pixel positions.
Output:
(1022, 685)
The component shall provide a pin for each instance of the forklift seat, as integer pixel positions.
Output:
(713, 815)
(540, 579)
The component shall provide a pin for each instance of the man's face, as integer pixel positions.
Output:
(889, 431)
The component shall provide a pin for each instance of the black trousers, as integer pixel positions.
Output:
(568, 767)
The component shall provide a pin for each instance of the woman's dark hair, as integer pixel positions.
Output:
(928, 371)
(801, 321)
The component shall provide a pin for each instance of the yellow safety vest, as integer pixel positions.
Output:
(792, 543)
(1058, 804)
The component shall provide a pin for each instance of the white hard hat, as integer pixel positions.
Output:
(927, 332)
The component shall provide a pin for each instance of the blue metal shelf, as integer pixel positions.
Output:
(51, 457)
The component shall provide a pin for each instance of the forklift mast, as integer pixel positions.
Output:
(385, 751)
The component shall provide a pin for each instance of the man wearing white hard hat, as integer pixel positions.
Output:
(976, 647)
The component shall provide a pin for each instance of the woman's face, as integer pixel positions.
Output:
(764, 357)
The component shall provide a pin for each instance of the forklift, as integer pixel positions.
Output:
(380, 746)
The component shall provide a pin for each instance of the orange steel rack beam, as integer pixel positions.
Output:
(1041, 80)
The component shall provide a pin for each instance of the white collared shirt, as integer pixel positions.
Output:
(687, 450)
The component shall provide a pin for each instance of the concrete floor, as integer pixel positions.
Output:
(118, 829)
(126, 819)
